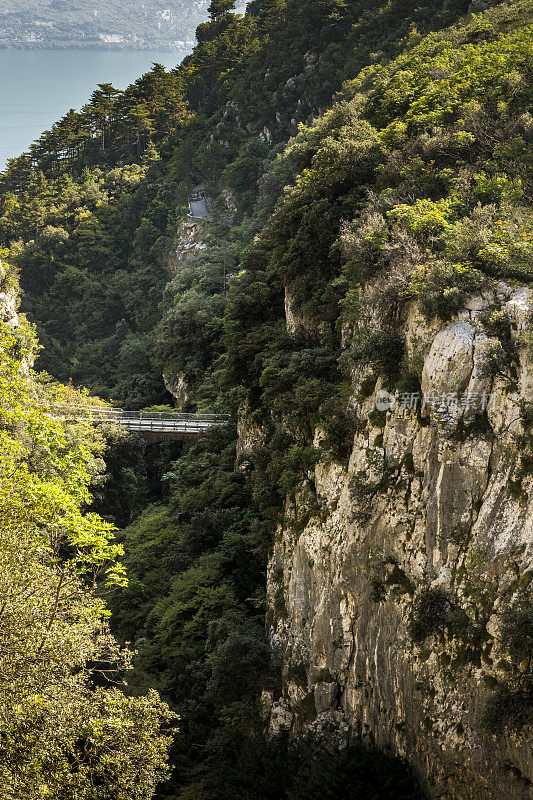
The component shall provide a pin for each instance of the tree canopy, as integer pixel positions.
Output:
(66, 727)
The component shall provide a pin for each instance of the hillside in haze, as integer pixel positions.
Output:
(97, 24)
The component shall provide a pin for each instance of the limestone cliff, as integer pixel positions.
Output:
(15, 322)
(190, 240)
(385, 607)
(9, 300)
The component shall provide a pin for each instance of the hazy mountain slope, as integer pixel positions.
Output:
(95, 23)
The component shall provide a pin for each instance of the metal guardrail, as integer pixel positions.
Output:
(142, 421)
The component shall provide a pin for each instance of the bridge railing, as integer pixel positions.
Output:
(161, 417)
(152, 419)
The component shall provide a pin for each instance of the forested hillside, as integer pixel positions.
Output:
(97, 24)
(66, 726)
(359, 156)
(96, 183)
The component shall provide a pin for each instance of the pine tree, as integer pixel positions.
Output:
(219, 8)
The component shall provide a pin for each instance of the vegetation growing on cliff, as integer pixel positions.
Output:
(510, 708)
(417, 183)
(390, 188)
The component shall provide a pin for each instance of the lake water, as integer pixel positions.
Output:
(37, 87)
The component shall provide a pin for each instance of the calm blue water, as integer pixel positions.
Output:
(38, 86)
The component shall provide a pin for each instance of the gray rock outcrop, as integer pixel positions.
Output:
(439, 499)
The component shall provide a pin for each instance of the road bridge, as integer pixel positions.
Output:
(149, 424)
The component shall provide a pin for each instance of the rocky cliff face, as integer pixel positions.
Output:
(190, 241)
(15, 322)
(385, 607)
(9, 300)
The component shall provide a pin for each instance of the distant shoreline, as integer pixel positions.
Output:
(163, 48)
(38, 86)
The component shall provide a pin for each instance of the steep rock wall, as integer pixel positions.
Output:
(15, 322)
(436, 499)
(9, 300)
(190, 240)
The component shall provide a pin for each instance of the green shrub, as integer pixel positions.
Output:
(526, 415)
(306, 708)
(378, 590)
(409, 383)
(297, 673)
(280, 606)
(363, 247)
(509, 708)
(339, 426)
(516, 631)
(383, 351)
(377, 418)
(367, 484)
(299, 461)
(429, 615)
(509, 253)
(366, 388)
(442, 288)
(398, 578)
(425, 218)
(362, 495)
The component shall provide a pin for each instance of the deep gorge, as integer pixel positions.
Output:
(333, 590)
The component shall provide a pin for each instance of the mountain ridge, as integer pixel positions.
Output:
(128, 25)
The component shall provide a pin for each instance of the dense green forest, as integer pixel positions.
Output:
(347, 143)
(73, 23)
